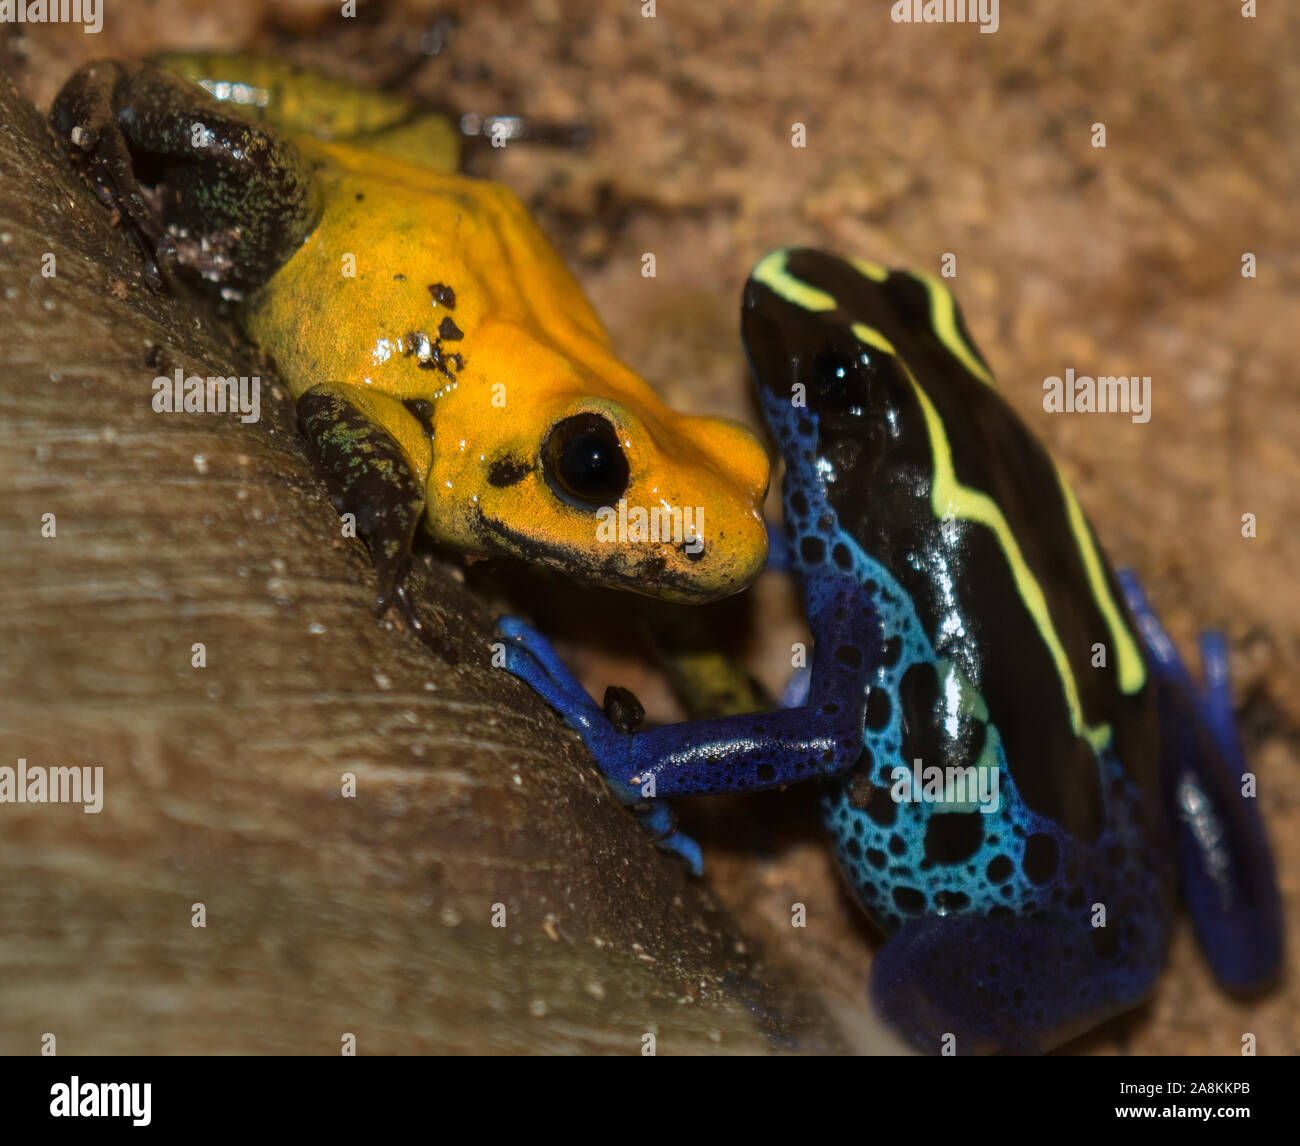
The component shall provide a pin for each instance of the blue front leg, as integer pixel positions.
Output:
(733, 753)
(1223, 853)
(530, 657)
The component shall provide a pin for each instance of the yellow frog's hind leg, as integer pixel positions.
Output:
(202, 188)
(300, 101)
(376, 455)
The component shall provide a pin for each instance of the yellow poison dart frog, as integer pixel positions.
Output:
(447, 367)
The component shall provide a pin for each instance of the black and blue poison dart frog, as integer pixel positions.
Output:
(965, 619)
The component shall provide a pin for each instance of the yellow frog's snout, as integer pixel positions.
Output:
(718, 470)
(641, 499)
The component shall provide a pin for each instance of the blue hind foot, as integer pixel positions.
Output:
(976, 984)
(1213, 697)
(1216, 704)
(1224, 860)
(531, 657)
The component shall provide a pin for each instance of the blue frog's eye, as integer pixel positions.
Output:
(831, 367)
(838, 375)
(583, 461)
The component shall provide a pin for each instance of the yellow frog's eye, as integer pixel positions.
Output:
(583, 461)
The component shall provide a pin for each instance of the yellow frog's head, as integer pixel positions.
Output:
(534, 439)
(590, 473)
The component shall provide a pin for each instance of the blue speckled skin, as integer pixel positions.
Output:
(934, 639)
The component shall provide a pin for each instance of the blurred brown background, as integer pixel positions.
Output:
(920, 141)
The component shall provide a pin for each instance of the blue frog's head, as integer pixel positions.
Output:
(833, 385)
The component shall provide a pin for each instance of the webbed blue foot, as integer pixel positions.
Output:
(532, 658)
(1224, 860)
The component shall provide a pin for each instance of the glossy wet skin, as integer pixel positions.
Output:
(1008, 647)
(937, 501)
(459, 300)
(992, 590)
(965, 620)
(426, 311)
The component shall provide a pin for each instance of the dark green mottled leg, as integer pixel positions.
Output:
(202, 187)
(369, 476)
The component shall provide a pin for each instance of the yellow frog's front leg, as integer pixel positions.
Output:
(377, 456)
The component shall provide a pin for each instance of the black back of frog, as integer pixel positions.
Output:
(1008, 644)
